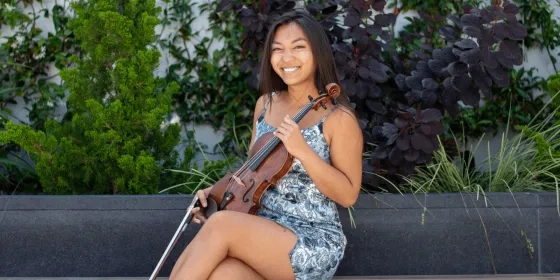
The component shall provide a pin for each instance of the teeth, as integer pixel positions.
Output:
(292, 69)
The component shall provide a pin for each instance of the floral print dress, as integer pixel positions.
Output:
(298, 205)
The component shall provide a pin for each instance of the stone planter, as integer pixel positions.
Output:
(124, 236)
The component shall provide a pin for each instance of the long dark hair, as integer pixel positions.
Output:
(325, 71)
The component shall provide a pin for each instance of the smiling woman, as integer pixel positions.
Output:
(296, 234)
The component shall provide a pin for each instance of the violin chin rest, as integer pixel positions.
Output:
(211, 207)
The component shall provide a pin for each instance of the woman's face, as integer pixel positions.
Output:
(291, 55)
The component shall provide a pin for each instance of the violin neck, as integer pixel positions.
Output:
(261, 155)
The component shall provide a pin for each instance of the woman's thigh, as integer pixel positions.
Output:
(258, 242)
(234, 269)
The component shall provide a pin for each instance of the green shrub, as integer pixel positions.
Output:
(112, 141)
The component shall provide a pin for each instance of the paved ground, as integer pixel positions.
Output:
(451, 277)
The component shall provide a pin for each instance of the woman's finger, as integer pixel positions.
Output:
(201, 197)
(286, 126)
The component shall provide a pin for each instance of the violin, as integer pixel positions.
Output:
(241, 191)
(268, 162)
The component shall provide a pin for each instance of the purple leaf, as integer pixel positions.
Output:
(504, 61)
(384, 19)
(403, 142)
(378, 75)
(430, 115)
(426, 129)
(481, 80)
(389, 130)
(436, 65)
(471, 56)
(401, 123)
(457, 68)
(472, 31)
(374, 29)
(429, 83)
(414, 82)
(510, 49)
(517, 31)
(396, 156)
(400, 81)
(352, 20)
(413, 96)
(466, 44)
(419, 141)
(363, 72)
(471, 20)
(488, 58)
(424, 68)
(376, 107)
(429, 96)
(461, 83)
(436, 128)
(375, 92)
(499, 76)
(510, 8)
(500, 30)
(378, 5)
(380, 151)
(471, 97)
(411, 155)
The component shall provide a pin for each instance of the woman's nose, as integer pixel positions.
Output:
(287, 56)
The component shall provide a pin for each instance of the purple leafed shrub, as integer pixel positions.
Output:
(400, 101)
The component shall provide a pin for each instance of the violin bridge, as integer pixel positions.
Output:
(238, 181)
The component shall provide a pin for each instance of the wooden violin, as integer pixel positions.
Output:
(241, 191)
(268, 162)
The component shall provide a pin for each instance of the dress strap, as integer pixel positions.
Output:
(261, 117)
(325, 117)
(332, 110)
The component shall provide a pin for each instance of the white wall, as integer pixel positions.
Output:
(534, 58)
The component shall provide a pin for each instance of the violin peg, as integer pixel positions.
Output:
(333, 101)
(310, 97)
(324, 106)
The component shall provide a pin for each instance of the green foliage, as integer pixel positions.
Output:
(112, 141)
(214, 87)
(543, 30)
(517, 166)
(553, 86)
(546, 137)
(27, 58)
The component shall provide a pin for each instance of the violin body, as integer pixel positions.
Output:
(246, 193)
(268, 162)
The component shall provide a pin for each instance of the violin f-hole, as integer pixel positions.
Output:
(245, 199)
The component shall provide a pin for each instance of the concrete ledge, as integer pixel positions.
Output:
(444, 277)
(448, 234)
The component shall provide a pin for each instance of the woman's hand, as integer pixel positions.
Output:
(290, 134)
(198, 214)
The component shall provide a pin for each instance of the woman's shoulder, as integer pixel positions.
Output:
(342, 123)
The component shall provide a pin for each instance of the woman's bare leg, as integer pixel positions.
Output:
(234, 269)
(260, 243)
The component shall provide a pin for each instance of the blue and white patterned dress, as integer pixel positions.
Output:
(298, 205)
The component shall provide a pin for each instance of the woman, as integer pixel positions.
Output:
(297, 233)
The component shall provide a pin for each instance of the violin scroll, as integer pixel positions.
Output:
(333, 91)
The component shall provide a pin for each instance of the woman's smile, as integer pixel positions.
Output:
(290, 69)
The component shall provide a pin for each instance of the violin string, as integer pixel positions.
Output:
(260, 155)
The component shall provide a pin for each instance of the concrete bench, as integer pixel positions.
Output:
(124, 236)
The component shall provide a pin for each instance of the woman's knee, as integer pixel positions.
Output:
(216, 222)
(233, 269)
(216, 226)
